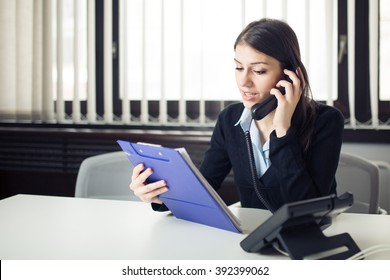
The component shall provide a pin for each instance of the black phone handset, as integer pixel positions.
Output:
(260, 110)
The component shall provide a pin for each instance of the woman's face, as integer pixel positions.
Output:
(256, 74)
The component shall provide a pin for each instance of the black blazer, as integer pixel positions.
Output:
(290, 177)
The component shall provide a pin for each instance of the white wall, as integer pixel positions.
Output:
(370, 151)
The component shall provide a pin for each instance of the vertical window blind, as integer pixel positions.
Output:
(175, 58)
(384, 46)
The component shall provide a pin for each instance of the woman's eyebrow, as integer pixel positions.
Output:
(253, 63)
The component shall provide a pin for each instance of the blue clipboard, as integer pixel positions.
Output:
(190, 197)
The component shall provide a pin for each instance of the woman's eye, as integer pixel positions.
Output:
(259, 72)
(239, 68)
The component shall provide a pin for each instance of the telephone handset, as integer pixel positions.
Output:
(260, 110)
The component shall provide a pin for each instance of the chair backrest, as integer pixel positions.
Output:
(360, 177)
(105, 176)
(384, 188)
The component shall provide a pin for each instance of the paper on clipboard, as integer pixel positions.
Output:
(190, 197)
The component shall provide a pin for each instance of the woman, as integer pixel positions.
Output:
(289, 155)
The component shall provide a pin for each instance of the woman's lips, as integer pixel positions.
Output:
(247, 95)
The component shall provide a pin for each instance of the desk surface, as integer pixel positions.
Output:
(43, 227)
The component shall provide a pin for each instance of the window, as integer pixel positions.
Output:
(360, 97)
(384, 46)
(170, 62)
(384, 62)
(70, 54)
(176, 57)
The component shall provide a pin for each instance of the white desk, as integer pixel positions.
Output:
(43, 227)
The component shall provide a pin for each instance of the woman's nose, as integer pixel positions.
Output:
(245, 79)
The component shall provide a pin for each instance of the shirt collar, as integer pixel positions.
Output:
(245, 119)
(245, 123)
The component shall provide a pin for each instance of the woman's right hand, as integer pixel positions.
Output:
(146, 192)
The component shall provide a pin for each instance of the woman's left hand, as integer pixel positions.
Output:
(288, 102)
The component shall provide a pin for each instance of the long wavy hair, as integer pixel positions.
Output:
(278, 40)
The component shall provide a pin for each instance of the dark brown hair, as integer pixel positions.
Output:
(278, 40)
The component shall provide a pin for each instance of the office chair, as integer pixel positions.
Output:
(384, 189)
(105, 176)
(360, 177)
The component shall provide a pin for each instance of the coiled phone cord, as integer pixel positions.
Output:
(253, 170)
